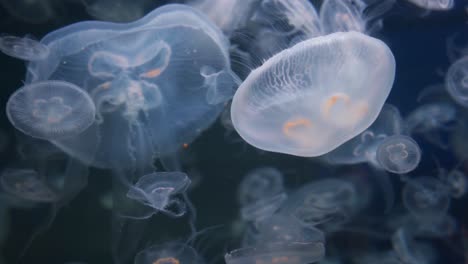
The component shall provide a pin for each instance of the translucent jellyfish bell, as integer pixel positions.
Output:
(457, 183)
(132, 72)
(23, 48)
(456, 81)
(157, 191)
(438, 5)
(50, 110)
(313, 97)
(26, 184)
(168, 253)
(398, 154)
(281, 240)
(426, 198)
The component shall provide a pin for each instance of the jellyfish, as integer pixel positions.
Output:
(24, 48)
(437, 5)
(27, 184)
(362, 148)
(326, 203)
(132, 73)
(426, 198)
(50, 110)
(261, 193)
(410, 251)
(158, 193)
(352, 15)
(168, 253)
(281, 240)
(398, 154)
(289, 106)
(429, 119)
(457, 183)
(456, 81)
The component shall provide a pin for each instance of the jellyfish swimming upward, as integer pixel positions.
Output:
(309, 99)
(132, 73)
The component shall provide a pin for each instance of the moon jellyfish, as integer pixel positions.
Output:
(281, 240)
(168, 253)
(27, 184)
(457, 183)
(437, 5)
(132, 72)
(158, 191)
(456, 81)
(328, 203)
(426, 198)
(50, 110)
(23, 48)
(261, 193)
(398, 154)
(352, 15)
(362, 148)
(313, 97)
(410, 251)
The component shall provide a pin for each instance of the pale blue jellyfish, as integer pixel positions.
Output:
(398, 154)
(437, 5)
(24, 48)
(456, 81)
(410, 251)
(309, 99)
(51, 110)
(28, 185)
(133, 74)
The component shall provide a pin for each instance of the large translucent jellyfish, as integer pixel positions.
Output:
(426, 198)
(313, 97)
(24, 48)
(168, 253)
(456, 81)
(398, 154)
(132, 72)
(327, 203)
(352, 15)
(158, 192)
(27, 184)
(438, 5)
(261, 193)
(281, 240)
(51, 110)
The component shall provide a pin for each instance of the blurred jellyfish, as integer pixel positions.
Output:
(23, 48)
(168, 253)
(429, 119)
(438, 5)
(27, 184)
(362, 148)
(228, 15)
(261, 193)
(50, 110)
(398, 154)
(30, 11)
(352, 15)
(457, 183)
(456, 81)
(115, 10)
(132, 72)
(409, 251)
(326, 203)
(426, 198)
(290, 106)
(281, 240)
(158, 191)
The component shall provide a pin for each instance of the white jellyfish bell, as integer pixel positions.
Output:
(311, 98)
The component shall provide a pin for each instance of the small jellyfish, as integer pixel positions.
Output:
(50, 110)
(27, 184)
(328, 203)
(281, 240)
(457, 183)
(311, 98)
(168, 253)
(426, 198)
(437, 5)
(398, 154)
(23, 48)
(410, 251)
(261, 193)
(456, 81)
(158, 191)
